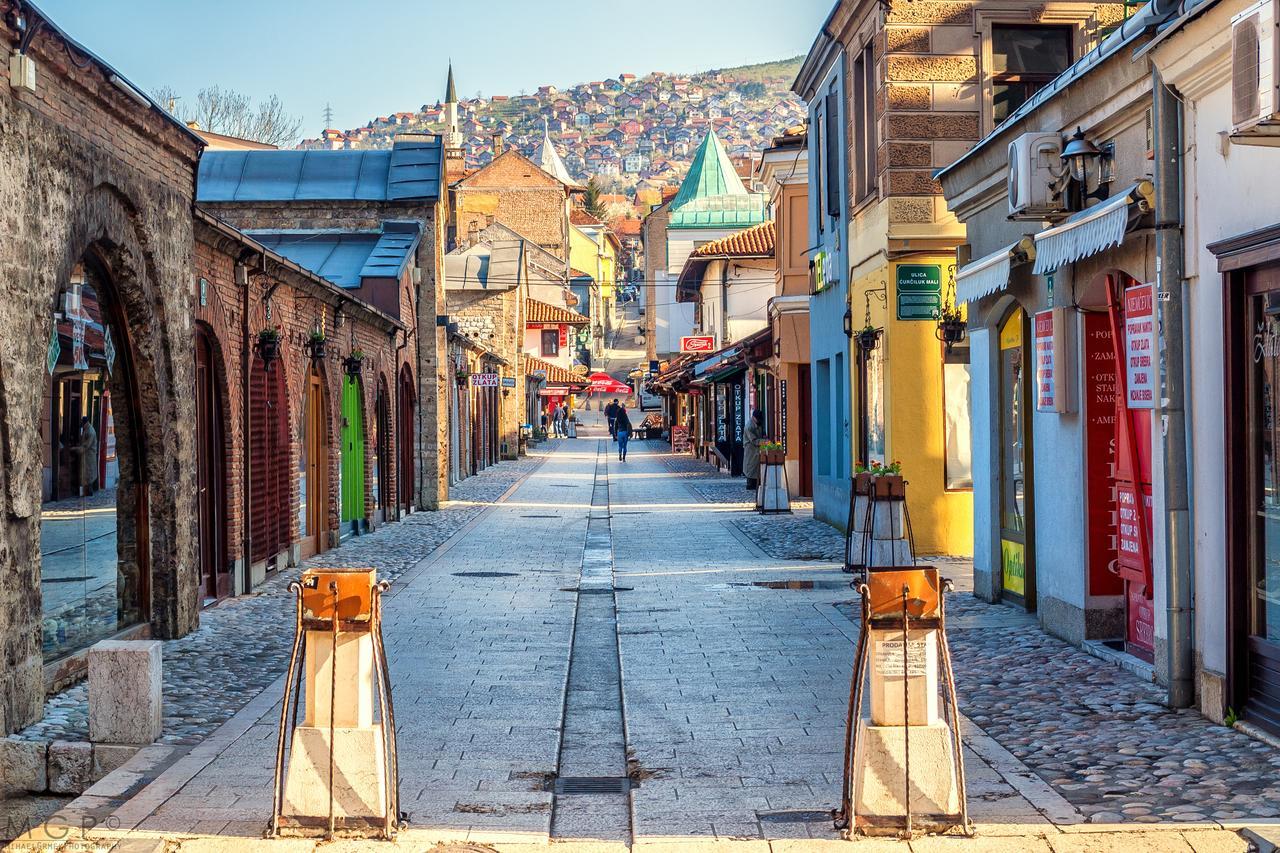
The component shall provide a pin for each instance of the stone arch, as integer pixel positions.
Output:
(107, 228)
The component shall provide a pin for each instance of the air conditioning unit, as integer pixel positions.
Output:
(1255, 89)
(1034, 165)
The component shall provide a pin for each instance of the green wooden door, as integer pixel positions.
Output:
(352, 452)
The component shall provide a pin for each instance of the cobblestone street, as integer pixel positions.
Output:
(717, 692)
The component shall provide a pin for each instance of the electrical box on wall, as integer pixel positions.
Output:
(1049, 334)
(22, 72)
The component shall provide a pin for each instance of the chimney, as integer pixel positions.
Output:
(497, 145)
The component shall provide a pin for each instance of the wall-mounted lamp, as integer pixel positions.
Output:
(1079, 155)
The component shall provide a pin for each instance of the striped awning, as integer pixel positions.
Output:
(1092, 230)
(990, 274)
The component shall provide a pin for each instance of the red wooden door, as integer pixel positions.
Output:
(268, 461)
(211, 483)
(804, 403)
(405, 440)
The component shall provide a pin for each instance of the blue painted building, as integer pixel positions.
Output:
(821, 83)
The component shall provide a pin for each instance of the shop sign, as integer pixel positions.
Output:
(1100, 454)
(680, 439)
(534, 326)
(1049, 334)
(782, 399)
(919, 291)
(697, 343)
(508, 382)
(1129, 550)
(1140, 346)
(1013, 564)
(888, 660)
(484, 380)
(1141, 616)
(564, 335)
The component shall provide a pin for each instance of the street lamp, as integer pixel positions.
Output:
(1079, 156)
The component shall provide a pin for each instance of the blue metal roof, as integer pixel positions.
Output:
(407, 172)
(347, 257)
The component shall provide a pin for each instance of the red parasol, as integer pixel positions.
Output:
(603, 383)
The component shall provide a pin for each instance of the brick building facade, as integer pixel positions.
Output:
(514, 191)
(95, 367)
(242, 288)
(362, 190)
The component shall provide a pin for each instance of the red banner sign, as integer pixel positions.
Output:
(1140, 346)
(1100, 454)
(697, 343)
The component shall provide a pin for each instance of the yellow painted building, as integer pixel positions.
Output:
(593, 249)
(910, 397)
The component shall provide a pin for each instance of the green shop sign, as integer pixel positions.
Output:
(919, 291)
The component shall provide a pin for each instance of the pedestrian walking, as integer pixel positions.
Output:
(751, 438)
(545, 422)
(88, 456)
(564, 419)
(622, 425)
(611, 412)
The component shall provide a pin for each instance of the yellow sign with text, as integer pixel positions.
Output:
(1013, 561)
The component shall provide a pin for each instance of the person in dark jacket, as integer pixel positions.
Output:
(611, 412)
(622, 423)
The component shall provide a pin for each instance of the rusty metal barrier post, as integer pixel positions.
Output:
(338, 773)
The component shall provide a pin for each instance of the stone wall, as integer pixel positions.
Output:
(87, 172)
(515, 192)
(429, 342)
(495, 320)
(653, 235)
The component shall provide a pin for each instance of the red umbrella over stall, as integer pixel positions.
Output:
(603, 383)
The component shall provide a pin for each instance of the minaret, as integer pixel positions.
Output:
(454, 159)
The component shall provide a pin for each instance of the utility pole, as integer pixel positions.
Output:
(328, 116)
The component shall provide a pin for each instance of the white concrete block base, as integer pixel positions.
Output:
(879, 797)
(125, 691)
(359, 775)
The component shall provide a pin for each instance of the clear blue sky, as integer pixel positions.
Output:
(378, 56)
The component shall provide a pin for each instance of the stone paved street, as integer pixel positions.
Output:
(609, 619)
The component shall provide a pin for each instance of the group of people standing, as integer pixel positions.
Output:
(619, 426)
(556, 422)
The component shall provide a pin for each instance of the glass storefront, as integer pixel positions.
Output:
(90, 578)
(1263, 614)
(1015, 487)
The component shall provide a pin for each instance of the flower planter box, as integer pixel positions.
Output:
(890, 487)
(862, 483)
(773, 457)
(352, 366)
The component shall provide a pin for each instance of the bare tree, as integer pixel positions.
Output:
(226, 111)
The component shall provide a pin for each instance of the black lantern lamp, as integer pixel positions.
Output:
(1080, 155)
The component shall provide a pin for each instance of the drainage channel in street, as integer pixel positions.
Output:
(591, 785)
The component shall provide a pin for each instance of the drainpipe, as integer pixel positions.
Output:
(1171, 304)
(246, 362)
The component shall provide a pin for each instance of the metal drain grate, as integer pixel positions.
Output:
(485, 574)
(795, 584)
(596, 590)
(592, 785)
(539, 516)
(807, 816)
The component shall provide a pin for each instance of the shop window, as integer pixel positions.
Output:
(550, 342)
(958, 461)
(822, 417)
(1024, 59)
(831, 152)
(92, 577)
(871, 421)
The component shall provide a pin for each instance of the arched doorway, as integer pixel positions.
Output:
(211, 473)
(382, 497)
(270, 524)
(313, 465)
(353, 511)
(94, 572)
(405, 439)
(1017, 531)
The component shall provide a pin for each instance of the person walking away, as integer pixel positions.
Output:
(623, 426)
(545, 421)
(751, 439)
(611, 412)
(564, 419)
(557, 421)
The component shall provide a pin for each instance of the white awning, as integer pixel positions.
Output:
(1092, 230)
(990, 274)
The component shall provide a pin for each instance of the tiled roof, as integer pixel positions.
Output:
(537, 311)
(556, 375)
(754, 242)
(577, 273)
(578, 216)
(627, 227)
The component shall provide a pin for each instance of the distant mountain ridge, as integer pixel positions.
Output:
(627, 131)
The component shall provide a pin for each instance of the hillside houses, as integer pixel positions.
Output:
(622, 130)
